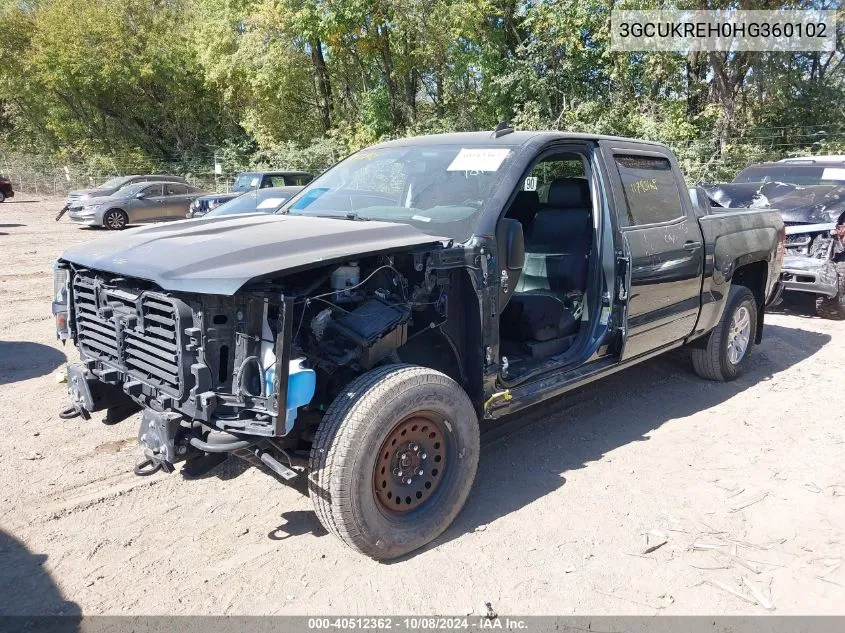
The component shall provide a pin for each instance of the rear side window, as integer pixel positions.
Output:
(175, 190)
(651, 191)
(152, 191)
(299, 181)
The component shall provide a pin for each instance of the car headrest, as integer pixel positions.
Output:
(569, 193)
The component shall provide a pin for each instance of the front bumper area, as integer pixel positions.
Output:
(76, 216)
(809, 274)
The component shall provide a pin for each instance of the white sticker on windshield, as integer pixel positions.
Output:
(270, 203)
(478, 159)
(833, 173)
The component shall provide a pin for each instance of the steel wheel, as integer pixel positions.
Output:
(115, 220)
(739, 335)
(410, 464)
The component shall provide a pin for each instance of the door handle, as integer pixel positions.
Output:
(692, 246)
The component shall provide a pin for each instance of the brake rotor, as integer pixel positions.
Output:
(410, 464)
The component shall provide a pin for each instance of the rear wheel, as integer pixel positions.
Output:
(724, 355)
(394, 459)
(115, 220)
(834, 307)
(2, 197)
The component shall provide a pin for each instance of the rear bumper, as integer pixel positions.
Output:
(809, 274)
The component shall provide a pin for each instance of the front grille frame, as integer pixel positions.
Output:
(140, 334)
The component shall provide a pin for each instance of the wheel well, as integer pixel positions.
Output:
(432, 349)
(754, 277)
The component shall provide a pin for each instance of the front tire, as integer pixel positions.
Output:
(834, 307)
(724, 355)
(2, 197)
(394, 459)
(115, 220)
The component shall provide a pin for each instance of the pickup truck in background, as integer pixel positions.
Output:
(419, 290)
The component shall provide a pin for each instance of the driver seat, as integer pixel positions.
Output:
(557, 247)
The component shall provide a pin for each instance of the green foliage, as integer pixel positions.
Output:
(145, 84)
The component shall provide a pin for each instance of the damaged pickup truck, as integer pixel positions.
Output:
(814, 216)
(417, 291)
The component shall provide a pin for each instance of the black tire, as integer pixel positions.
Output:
(834, 307)
(712, 361)
(347, 452)
(2, 197)
(115, 220)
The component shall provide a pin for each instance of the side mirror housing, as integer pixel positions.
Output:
(140, 195)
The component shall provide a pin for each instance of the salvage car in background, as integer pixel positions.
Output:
(248, 181)
(815, 257)
(135, 204)
(412, 292)
(260, 201)
(6, 190)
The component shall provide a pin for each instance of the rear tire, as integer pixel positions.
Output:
(834, 307)
(115, 220)
(2, 197)
(394, 417)
(730, 342)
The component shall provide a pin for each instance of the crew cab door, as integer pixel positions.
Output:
(661, 243)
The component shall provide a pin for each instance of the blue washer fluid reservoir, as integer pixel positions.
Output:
(302, 382)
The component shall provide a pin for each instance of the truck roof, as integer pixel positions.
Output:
(511, 138)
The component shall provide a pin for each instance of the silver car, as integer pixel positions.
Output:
(134, 204)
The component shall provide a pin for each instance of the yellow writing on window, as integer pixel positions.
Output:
(644, 186)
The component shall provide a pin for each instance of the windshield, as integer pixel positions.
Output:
(246, 181)
(262, 201)
(115, 183)
(438, 189)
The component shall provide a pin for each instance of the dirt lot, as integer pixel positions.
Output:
(745, 480)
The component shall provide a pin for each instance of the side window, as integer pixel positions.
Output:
(651, 191)
(544, 173)
(175, 190)
(273, 181)
(153, 191)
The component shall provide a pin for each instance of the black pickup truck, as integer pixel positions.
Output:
(416, 292)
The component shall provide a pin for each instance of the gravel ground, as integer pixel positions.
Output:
(744, 481)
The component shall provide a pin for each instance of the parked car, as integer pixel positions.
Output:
(815, 254)
(260, 201)
(248, 181)
(112, 185)
(412, 293)
(6, 190)
(134, 204)
(795, 171)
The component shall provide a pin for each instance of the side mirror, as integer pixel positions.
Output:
(140, 195)
(514, 244)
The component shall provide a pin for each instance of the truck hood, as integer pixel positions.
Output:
(798, 204)
(219, 255)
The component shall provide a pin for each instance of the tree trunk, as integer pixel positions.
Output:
(322, 83)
